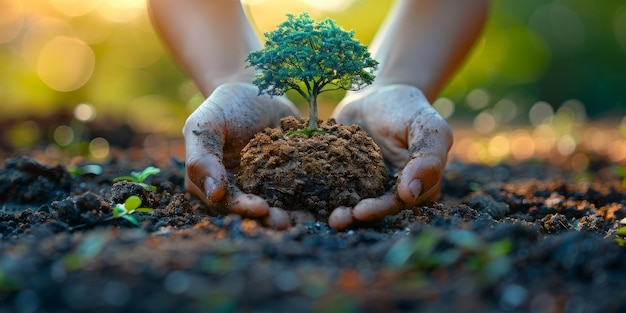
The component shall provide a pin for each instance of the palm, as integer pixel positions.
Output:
(413, 137)
(214, 136)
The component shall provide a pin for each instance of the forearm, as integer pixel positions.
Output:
(209, 39)
(423, 42)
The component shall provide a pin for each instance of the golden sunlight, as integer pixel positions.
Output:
(75, 7)
(11, 20)
(65, 63)
(329, 5)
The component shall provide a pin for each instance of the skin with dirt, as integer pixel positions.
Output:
(316, 174)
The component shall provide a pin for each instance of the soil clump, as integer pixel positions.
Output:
(318, 173)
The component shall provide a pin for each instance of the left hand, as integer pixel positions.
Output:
(414, 140)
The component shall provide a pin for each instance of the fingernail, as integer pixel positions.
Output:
(415, 188)
(209, 187)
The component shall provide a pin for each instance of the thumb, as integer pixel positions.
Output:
(207, 177)
(420, 179)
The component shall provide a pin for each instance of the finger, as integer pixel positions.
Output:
(207, 177)
(277, 218)
(419, 178)
(376, 208)
(341, 218)
(244, 204)
(215, 207)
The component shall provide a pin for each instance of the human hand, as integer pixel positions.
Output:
(414, 140)
(214, 135)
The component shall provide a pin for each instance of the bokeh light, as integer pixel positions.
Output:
(617, 150)
(85, 112)
(444, 106)
(99, 149)
(566, 145)
(545, 139)
(75, 8)
(122, 11)
(522, 145)
(156, 146)
(540, 112)
(504, 111)
(477, 99)
(597, 139)
(11, 20)
(63, 135)
(329, 5)
(39, 33)
(532, 87)
(499, 146)
(65, 63)
(484, 122)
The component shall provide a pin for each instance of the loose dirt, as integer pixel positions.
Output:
(527, 237)
(316, 174)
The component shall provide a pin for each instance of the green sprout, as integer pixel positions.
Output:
(122, 210)
(130, 206)
(80, 170)
(311, 57)
(140, 177)
(434, 248)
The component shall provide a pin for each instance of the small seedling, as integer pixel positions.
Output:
(122, 210)
(140, 177)
(80, 170)
(462, 249)
(130, 206)
(311, 57)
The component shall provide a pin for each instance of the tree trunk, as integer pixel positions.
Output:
(312, 113)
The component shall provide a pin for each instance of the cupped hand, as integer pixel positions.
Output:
(214, 135)
(414, 140)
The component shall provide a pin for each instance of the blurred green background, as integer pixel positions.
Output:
(102, 58)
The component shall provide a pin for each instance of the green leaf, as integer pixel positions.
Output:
(150, 170)
(311, 57)
(77, 171)
(125, 178)
(500, 248)
(149, 187)
(620, 241)
(131, 219)
(139, 177)
(119, 210)
(621, 231)
(399, 253)
(132, 203)
(144, 210)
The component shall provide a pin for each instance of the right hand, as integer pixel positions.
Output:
(214, 135)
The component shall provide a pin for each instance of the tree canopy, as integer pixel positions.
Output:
(311, 57)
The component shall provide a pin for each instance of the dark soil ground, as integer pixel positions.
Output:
(509, 238)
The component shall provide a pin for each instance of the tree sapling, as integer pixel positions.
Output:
(311, 57)
(288, 166)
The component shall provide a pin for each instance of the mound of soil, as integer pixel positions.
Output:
(317, 173)
(527, 237)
